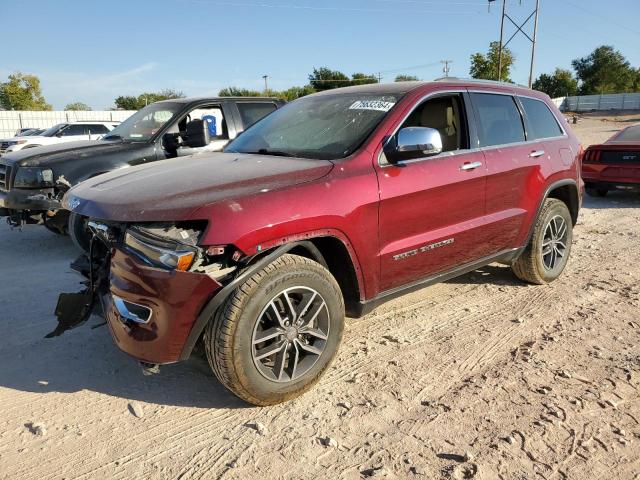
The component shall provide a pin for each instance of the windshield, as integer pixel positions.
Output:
(50, 132)
(324, 126)
(145, 123)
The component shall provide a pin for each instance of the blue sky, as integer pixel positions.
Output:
(94, 51)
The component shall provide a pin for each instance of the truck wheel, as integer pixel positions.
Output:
(548, 251)
(78, 231)
(278, 332)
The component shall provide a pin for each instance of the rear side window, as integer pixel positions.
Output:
(250, 113)
(97, 129)
(499, 120)
(541, 122)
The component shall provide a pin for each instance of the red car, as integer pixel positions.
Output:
(332, 205)
(613, 164)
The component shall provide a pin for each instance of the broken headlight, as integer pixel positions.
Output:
(170, 248)
(32, 177)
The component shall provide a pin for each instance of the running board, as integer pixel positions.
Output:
(362, 308)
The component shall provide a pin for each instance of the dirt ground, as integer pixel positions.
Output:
(480, 377)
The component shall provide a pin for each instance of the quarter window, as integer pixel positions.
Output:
(540, 121)
(499, 120)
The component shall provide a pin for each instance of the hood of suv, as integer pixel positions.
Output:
(49, 155)
(172, 189)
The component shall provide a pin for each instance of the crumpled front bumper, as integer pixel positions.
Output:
(175, 299)
(34, 200)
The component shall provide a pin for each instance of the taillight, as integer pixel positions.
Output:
(592, 156)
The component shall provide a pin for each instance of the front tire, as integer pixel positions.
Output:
(278, 332)
(79, 232)
(547, 253)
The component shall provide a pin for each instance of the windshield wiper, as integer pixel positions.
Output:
(275, 153)
(107, 137)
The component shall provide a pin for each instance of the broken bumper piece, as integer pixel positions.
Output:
(151, 311)
(35, 200)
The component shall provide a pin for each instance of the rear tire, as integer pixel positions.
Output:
(79, 232)
(294, 308)
(547, 253)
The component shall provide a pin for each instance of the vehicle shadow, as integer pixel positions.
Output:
(34, 269)
(493, 274)
(614, 199)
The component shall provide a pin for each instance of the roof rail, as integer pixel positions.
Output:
(479, 80)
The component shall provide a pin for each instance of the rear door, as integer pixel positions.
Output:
(431, 208)
(249, 112)
(512, 165)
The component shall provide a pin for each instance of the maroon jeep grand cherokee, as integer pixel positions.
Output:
(335, 203)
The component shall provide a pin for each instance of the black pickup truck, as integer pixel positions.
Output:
(33, 181)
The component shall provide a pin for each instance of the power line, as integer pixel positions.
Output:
(316, 8)
(600, 16)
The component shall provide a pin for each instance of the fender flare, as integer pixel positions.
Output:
(219, 298)
(553, 186)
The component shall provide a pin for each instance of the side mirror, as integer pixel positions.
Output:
(59, 134)
(197, 134)
(420, 140)
(414, 142)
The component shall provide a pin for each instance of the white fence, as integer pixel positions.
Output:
(586, 103)
(10, 121)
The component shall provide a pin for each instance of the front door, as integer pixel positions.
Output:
(432, 208)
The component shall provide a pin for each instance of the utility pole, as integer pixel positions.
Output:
(519, 29)
(446, 69)
(266, 85)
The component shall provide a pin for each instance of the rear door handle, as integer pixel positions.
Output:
(536, 154)
(470, 165)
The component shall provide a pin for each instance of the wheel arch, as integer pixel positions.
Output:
(329, 251)
(564, 190)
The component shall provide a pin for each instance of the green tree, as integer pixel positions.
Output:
(22, 92)
(486, 66)
(560, 84)
(326, 79)
(406, 78)
(238, 92)
(129, 102)
(293, 93)
(363, 79)
(605, 70)
(77, 106)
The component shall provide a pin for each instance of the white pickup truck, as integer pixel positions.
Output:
(60, 133)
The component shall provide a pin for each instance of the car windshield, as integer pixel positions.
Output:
(630, 134)
(50, 132)
(145, 123)
(322, 126)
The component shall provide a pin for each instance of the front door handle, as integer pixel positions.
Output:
(536, 154)
(470, 165)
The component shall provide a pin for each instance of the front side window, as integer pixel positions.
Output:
(327, 126)
(250, 113)
(445, 114)
(498, 118)
(73, 130)
(541, 122)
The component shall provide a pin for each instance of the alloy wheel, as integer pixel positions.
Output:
(290, 334)
(554, 242)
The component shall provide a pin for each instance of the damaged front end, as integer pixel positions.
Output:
(152, 281)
